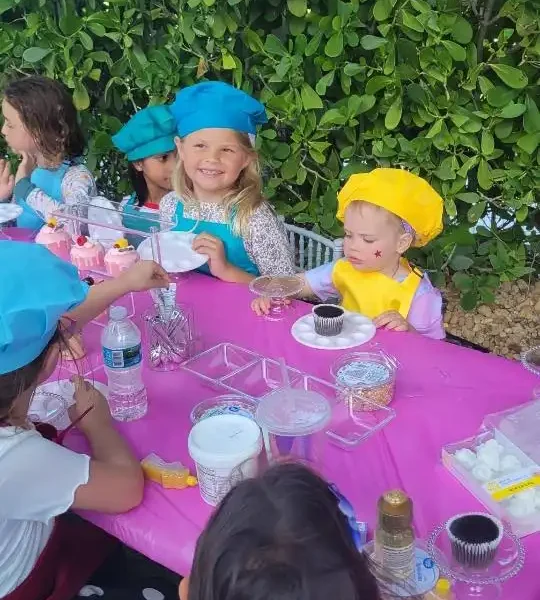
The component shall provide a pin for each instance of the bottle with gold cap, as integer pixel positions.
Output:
(394, 535)
(441, 591)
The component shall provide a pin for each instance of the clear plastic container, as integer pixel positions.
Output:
(49, 408)
(223, 405)
(216, 363)
(365, 379)
(122, 357)
(291, 420)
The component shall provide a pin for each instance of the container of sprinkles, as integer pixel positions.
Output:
(365, 380)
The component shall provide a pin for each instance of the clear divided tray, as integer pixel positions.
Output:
(243, 372)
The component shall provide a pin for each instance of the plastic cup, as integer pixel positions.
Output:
(290, 419)
(225, 449)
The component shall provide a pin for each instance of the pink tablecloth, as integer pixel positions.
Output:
(443, 392)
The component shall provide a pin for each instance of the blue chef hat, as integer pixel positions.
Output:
(214, 104)
(37, 289)
(149, 132)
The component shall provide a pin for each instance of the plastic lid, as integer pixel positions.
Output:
(118, 313)
(363, 373)
(443, 586)
(292, 412)
(224, 440)
(277, 287)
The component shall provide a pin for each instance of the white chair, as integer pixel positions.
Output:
(310, 249)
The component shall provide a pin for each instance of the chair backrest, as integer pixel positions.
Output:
(310, 249)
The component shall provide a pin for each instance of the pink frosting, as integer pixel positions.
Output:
(118, 260)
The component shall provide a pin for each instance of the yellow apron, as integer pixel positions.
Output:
(373, 293)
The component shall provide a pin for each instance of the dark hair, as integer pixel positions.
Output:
(280, 537)
(14, 383)
(139, 185)
(47, 112)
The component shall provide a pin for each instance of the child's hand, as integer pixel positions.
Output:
(261, 305)
(26, 166)
(7, 181)
(213, 247)
(392, 320)
(87, 396)
(144, 275)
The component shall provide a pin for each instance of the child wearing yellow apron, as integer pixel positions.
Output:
(384, 212)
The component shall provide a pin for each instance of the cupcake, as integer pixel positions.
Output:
(120, 257)
(328, 319)
(55, 238)
(475, 538)
(87, 255)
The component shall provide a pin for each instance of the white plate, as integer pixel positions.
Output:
(101, 210)
(177, 255)
(357, 330)
(9, 211)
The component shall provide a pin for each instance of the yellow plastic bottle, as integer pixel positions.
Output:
(441, 591)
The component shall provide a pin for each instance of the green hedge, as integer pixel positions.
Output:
(447, 88)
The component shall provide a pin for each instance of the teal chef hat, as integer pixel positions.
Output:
(37, 288)
(149, 132)
(215, 104)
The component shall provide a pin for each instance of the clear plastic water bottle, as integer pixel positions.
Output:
(122, 357)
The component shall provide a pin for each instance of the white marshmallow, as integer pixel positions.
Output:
(509, 462)
(490, 457)
(465, 457)
(493, 445)
(522, 505)
(482, 472)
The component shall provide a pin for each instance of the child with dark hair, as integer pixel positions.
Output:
(282, 536)
(41, 126)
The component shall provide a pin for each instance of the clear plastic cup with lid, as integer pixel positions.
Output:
(291, 420)
(365, 380)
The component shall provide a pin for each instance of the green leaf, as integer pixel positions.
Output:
(334, 117)
(371, 42)
(488, 143)
(463, 282)
(227, 60)
(86, 41)
(475, 212)
(503, 129)
(499, 96)
(514, 78)
(469, 300)
(450, 207)
(411, 22)
(297, 7)
(456, 51)
(393, 116)
(529, 142)
(531, 119)
(310, 98)
(97, 29)
(435, 129)
(81, 100)
(314, 44)
(522, 213)
(352, 69)
(469, 197)
(484, 175)
(382, 10)
(367, 102)
(461, 263)
(6, 5)
(35, 54)
(334, 46)
(512, 110)
(462, 31)
(376, 84)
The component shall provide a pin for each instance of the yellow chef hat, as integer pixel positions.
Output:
(400, 192)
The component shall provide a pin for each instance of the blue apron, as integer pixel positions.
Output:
(50, 182)
(235, 251)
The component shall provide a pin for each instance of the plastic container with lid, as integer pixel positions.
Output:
(229, 404)
(365, 379)
(290, 420)
(49, 408)
(225, 449)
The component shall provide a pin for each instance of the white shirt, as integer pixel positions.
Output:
(38, 479)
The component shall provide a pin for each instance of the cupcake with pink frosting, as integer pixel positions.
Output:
(87, 255)
(120, 257)
(55, 238)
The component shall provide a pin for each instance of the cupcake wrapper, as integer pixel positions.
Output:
(328, 326)
(474, 555)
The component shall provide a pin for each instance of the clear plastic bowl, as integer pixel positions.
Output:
(364, 379)
(49, 408)
(224, 405)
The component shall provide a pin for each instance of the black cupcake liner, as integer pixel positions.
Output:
(328, 319)
(475, 538)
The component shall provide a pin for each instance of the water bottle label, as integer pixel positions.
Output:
(123, 358)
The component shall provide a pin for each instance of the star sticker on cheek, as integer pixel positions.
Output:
(378, 254)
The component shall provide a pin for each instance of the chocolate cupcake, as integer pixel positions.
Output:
(328, 319)
(475, 538)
